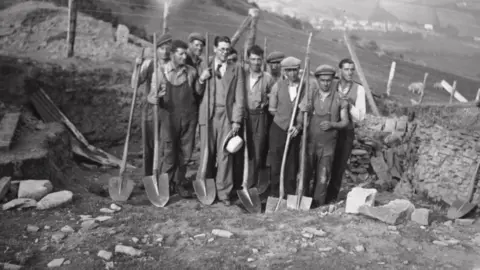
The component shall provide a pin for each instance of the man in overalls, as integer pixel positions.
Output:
(328, 114)
(178, 113)
(354, 94)
(281, 103)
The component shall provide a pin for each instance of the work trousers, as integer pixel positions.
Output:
(343, 150)
(277, 139)
(257, 138)
(219, 127)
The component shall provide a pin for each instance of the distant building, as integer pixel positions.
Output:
(428, 26)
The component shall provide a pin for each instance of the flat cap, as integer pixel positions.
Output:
(196, 36)
(324, 70)
(275, 57)
(164, 39)
(291, 62)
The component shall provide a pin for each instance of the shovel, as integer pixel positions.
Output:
(275, 204)
(460, 208)
(156, 185)
(205, 187)
(263, 180)
(120, 188)
(248, 196)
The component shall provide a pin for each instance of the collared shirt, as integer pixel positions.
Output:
(146, 72)
(359, 108)
(178, 75)
(292, 91)
(258, 89)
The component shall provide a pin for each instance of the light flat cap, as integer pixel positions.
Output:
(275, 57)
(164, 39)
(196, 36)
(324, 70)
(291, 62)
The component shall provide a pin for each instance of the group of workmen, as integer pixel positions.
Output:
(247, 96)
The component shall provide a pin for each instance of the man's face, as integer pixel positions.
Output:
(232, 58)
(222, 50)
(179, 57)
(347, 71)
(196, 47)
(255, 62)
(291, 73)
(163, 50)
(325, 81)
(275, 68)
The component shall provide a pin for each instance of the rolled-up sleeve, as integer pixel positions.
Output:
(359, 110)
(145, 71)
(273, 99)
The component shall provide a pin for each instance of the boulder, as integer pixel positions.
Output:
(359, 196)
(34, 189)
(395, 212)
(55, 199)
(421, 216)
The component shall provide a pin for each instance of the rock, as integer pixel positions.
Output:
(307, 235)
(86, 217)
(448, 223)
(250, 260)
(254, 250)
(341, 249)
(222, 233)
(314, 231)
(4, 186)
(56, 263)
(440, 243)
(390, 125)
(32, 228)
(46, 227)
(210, 240)
(127, 250)
(58, 236)
(107, 211)
(122, 34)
(359, 152)
(360, 248)
(395, 212)
(421, 216)
(452, 241)
(106, 255)
(34, 189)
(392, 228)
(102, 218)
(358, 197)
(21, 203)
(324, 249)
(135, 240)
(115, 207)
(464, 221)
(67, 262)
(109, 265)
(9, 266)
(88, 225)
(67, 229)
(476, 240)
(381, 168)
(200, 236)
(55, 199)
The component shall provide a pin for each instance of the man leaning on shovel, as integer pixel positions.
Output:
(178, 113)
(281, 103)
(328, 114)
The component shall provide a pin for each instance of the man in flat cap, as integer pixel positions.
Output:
(226, 111)
(354, 93)
(145, 73)
(178, 113)
(281, 103)
(328, 113)
(273, 60)
(196, 43)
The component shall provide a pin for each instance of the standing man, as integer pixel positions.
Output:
(226, 113)
(354, 94)
(258, 86)
(196, 43)
(178, 113)
(281, 103)
(273, 61)
(145, 76)
(328, 114)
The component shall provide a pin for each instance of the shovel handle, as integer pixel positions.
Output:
(206, 156)
(472, 184)
(245, 156)
(155, 109)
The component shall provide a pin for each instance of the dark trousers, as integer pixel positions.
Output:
(277, 141)
(343, 150)
(257, 138)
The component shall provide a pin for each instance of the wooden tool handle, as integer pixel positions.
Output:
(206, 95)
(155, 109)
(245, 156)
(472, 184)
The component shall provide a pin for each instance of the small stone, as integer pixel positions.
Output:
(358, 197)
(58, 236)
(440, 243)
(159, 239)
(254, 250)
(395, 212)
(464, 221)
(324, 249)
(292, 250)
(85, 217)
(67, 229)
(109, 265)
(67, 262)
(423, 227)
(135, 240)
(448, 223)
(127, 250)
(314, 231)
(250, 260)
(421, 216)
(20, 203)
(102, 218)
(115, 207)
(341, 249)
(46, 227)
(88, 225)
(210, 240)
(55, 199)
(307, 235)
(222, 233)
(452, 242)
(200, 236)
(56, 263)
(106, 255)
(9, 266)
(32, 228)
(360, 248)
(476, 240)
(304, 245)
(405, 262)
(392, 228)
(107, 211)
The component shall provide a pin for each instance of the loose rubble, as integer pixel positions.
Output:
(222, 233)
(127, 250)
(421, 216)
(55, 263)
(106, 255)
(34, 189)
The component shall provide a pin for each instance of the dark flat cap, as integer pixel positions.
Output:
(164, 39)
(275, 57)
(291, 62)
(196, 36)
(324, 70)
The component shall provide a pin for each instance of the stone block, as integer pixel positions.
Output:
(8, 126)
(34, 189)
(395, 212)
(390, 125)
(358, 197)
(421, 216)
(401, 126)
(122, 34)
(55, 199)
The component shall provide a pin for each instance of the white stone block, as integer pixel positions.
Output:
(358, 197)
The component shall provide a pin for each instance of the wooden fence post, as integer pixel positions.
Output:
(390, 77)
(72, 25)
(454, 89)
(477, 98)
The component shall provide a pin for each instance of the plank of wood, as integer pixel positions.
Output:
(8, 126)
(450, 90)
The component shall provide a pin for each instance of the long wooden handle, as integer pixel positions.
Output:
(155, 109)
(130, 117)
(368, 93)
(265, 55)
(245, 156)
(206, 94)
(240, 31)
(301, 174)
(472, 184)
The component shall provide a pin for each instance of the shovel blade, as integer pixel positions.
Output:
(272, 203)
(250, 199)
(298, 202)
(459, 209)
(120, 188)
(206, 190)
(263, 180)
(158, 190)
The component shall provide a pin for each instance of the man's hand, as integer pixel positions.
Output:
(206, 74)
(326, 125)
(235, 128)
(152, 99)
(138, 61)
(293, 131)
